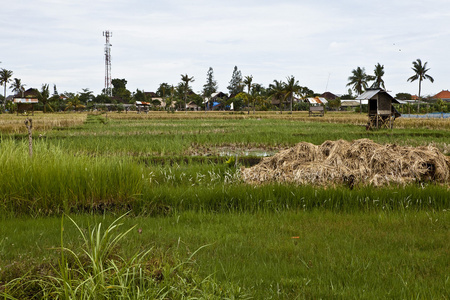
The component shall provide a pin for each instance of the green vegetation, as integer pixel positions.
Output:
(177, 177)
(161, 135)
(99, 272)
(370, 255)
(420, 71)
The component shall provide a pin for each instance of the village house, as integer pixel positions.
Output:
(444, 95)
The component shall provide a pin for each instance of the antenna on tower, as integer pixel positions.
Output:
(328, 80)
(108, 84)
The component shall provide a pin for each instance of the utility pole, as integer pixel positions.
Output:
(108, 85)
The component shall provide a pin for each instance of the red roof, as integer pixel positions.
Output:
(442, 95)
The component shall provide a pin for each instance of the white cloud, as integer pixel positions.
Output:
(319, 42)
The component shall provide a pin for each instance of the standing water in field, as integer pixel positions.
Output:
(358, 162)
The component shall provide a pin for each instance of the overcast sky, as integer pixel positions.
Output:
(318, 41)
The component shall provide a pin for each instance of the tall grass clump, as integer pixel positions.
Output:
(54, 180)
(99, 271)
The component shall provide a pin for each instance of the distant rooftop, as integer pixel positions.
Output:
(445, 94)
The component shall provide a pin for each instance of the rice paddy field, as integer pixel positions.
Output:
(193, 228)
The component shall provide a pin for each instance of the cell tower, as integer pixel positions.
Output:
(108, 85)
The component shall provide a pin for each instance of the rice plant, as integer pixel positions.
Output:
(55, 181)
(100, 272)
(10, 123)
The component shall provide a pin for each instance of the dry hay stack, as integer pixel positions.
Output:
(358, 162)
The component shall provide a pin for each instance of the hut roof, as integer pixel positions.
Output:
(142, 103)
(410, 102)
(317, 100)
(31, 92)
(192, 105)
(329, 96)
(370, 93)
(25, 100)
(151, 94)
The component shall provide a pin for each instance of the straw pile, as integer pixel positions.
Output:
(358, 162)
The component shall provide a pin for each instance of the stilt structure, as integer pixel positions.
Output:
(381, 111)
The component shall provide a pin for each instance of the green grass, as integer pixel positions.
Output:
(345, 255)
(54, 181)
(99, 271)
(384, 254)
(167, 172)
(156, 137)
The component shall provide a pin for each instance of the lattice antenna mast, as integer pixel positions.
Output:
(108, 84)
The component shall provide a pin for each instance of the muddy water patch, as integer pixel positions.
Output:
(246, 161)
(232, 150)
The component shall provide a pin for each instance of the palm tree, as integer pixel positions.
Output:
(5, 76)
(359, 82)
(305, 92)
(169, 99)
(248, 82)
(257, 90)
(290, 88)
(186, 79)
(17, 86)
(43, 96)
(379, 73)
(261, 100)
(276, 91)
(163, 90)
(74, 103)
(420, 73)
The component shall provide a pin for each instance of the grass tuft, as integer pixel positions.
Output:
(100, 272)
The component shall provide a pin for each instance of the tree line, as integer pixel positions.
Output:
(173, 96)
(359, 80)
(243, 92)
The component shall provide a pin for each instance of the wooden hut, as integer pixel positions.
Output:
(142, 106)
(25, 104)
(380, 110)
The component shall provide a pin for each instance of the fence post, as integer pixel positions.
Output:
(29, 124)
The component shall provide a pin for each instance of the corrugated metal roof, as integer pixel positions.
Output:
(323, 100)
(142, 103)
(25, 100)
(367, 95)
(370, 93)
(409, 101)
(317, 100)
